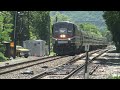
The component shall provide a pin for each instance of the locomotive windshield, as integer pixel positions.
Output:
(63, 28)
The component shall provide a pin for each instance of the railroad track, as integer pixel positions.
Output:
(68, 69)
(20, 71)
(22, 65)
(15, 64)
(82, 66)
(15, 72)
(93, 70)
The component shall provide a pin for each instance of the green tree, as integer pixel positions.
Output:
(5, 26)
(112, 19)
(5, 29)
(91, 28)
(60, 17)
(32, 25)
(94, 17)
(41, 24)
(22, 31)
(106, 33)
(29, 25)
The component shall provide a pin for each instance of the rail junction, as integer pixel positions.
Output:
(54, 67)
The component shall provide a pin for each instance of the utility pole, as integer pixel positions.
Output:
(21, 14)
(49, 32)
(56, 19)
(15, 19)
(86, 62)
(28, 15)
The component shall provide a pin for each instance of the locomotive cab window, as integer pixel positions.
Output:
(55, 30)
(63, 28)
(70, 29)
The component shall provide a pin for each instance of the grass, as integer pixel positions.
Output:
(116, 76)
(52, 54)
(2, 57)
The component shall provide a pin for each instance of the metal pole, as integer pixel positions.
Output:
(21, 39)
(56, 19)
(86, 64)
(15, 18)
(86, 61)
(49, 34)
(28, 19)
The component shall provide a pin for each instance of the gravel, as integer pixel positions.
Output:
(105, 72)
(108, 67)
(36, 69)
(24, 64)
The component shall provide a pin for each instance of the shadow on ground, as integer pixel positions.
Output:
(114, 51)
(112, 59)
(109, 62)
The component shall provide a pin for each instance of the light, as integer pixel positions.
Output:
(12, 44)
(18, 12)
(69, 39)
(63, 36)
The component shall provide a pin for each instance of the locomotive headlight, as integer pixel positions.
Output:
(63, 36)
(69, 39)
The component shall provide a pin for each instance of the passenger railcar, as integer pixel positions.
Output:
(68, 39)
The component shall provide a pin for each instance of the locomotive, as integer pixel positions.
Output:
(67, 39)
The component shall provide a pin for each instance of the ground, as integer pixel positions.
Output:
(109, 66)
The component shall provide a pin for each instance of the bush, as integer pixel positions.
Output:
(2, 48)
(2, 57)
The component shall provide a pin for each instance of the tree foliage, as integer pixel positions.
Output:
(29, 25)
(22, 30)
(40, 24)
(90, 28)
(106, 33)
(5, 29)
(5, 26)
(32, 25)
(112, 19)
(61, 17)
(94, 17)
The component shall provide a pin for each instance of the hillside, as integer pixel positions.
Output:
(94, 17)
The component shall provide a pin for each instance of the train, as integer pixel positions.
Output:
(67, 39)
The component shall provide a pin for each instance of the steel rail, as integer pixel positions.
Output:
(82, 66)
(45, 73)
(8, 71)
